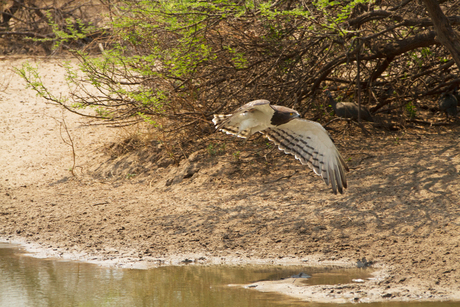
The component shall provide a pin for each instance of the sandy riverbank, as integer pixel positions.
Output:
(401, 210)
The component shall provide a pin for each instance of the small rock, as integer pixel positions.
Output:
(363, 263)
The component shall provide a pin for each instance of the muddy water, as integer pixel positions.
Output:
(28, 281)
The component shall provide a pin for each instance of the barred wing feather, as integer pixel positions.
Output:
(310, 143)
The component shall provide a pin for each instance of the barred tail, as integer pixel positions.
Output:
(220, 119)
(222, 122)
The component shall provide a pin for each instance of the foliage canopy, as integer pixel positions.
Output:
(175, 63)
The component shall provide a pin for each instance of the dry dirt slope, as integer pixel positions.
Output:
(401, 210)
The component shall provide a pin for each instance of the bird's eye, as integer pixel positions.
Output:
(290, 114)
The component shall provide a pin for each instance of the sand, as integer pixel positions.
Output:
(401, 211)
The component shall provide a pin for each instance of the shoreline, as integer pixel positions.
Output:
(36, 250)
(369, 290)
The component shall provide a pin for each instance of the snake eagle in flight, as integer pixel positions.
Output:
(307, 140)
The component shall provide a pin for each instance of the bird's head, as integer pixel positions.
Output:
(283, 115)
(288, 112)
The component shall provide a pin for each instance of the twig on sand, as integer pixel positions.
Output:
(283, 177)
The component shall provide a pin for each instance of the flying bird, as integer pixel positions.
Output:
(307, 140)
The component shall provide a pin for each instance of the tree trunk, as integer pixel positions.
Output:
(445, 33)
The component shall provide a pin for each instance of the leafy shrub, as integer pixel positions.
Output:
(175, 63)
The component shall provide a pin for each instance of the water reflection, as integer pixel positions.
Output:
(27, 281)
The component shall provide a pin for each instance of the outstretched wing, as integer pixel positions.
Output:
(250, 118)
(310, 143)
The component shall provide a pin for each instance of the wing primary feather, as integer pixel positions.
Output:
(333, 180)
(339, 180)
(343, 163)
(316, 162)
(342, 175)
(324, 174)
(330, 169)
